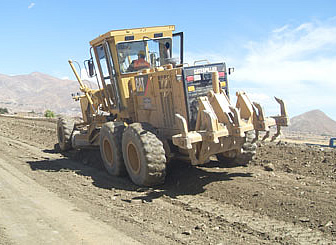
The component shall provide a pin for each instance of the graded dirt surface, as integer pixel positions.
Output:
(46, 196)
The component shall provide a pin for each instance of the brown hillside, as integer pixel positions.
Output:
(315, 122)
(38, 92)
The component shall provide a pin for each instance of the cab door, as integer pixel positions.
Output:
(108, 76)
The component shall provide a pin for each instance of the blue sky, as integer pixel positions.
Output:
(283, 48)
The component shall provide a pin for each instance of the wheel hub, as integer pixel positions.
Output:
(133, 158)
(108, 151)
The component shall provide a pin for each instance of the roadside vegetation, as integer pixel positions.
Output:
(49, 114)
(3, 110)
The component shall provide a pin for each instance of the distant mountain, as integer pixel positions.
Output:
(315, 122)
(38, 92)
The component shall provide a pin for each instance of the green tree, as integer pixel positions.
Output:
(3, 110)
(49, 114)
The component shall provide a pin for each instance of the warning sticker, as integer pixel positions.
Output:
(147, 103)
(141, 84)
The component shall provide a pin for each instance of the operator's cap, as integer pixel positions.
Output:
(142, 53)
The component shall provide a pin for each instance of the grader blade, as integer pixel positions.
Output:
(222, 127)
(260, 115)
(278, 132)
(266, 136)
(265, 123)
(282, 107)
(256, 138)
(281, 120)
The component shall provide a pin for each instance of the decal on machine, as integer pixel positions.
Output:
(147, 103)
(141, 84)
(205, 70)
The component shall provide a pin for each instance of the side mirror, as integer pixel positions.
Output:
(231, 70)
(167, 50)
(91, 68)
(153, 59)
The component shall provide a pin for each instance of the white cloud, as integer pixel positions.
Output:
(281, 29)
(295, 63)
(31, 5)
(307, 40)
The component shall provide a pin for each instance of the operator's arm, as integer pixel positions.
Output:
(131, 67)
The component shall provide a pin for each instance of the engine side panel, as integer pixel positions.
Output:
(159, 96)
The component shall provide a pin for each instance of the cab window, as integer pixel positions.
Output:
(137, 55)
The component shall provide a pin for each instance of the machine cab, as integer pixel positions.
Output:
(122, 54)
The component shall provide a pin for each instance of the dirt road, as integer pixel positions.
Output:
(31, 214)
(46, 196)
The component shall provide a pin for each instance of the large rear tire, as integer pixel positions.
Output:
(110, 148)
(246, 156)
(144, 155)
(65, 127)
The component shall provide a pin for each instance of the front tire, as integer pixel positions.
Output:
(144, 155)
(65, 127)
(110, 148)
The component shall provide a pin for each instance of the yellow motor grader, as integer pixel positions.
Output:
(150, 107)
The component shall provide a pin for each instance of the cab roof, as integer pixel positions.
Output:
(135, 34)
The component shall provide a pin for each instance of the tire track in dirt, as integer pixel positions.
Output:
(254, 224)
(32, 214)
(4, 240)
(167, 215)
(128, 207)
(67, 184)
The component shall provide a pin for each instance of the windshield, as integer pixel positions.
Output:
(137, 55)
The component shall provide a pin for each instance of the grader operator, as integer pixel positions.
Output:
(151, 107)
